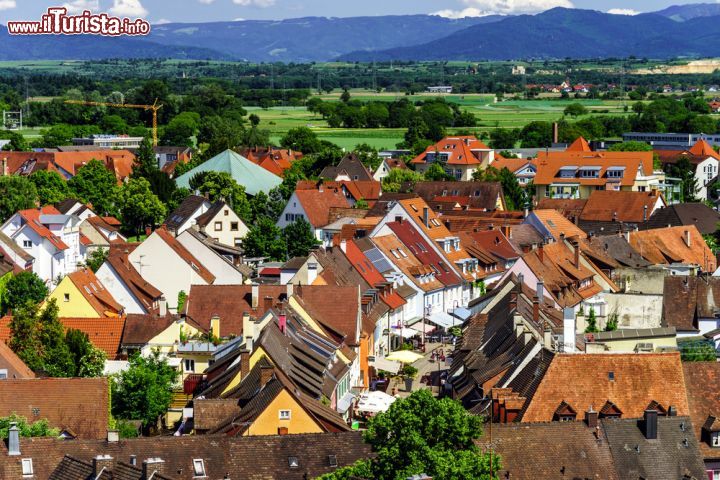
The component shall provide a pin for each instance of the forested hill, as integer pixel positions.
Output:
(561, 33)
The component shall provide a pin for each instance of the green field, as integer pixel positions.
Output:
(490, 115)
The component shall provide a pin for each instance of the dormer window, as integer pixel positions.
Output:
(715, 439)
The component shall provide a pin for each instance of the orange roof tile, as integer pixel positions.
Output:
(370, 274)
(95, 293)
(634, 163)
(558, 225)
(407, 262)
(512, 164)
(32, 219)
(435, 230)
(458, 149)
(317, 204)
(670, 245)
(15, 367)
(104, 333)
(621, 206)
(630, 381)
(704, 149)
(579, 145)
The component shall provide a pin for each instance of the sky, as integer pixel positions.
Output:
(163, 11)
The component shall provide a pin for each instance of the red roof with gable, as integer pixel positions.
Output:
(458, 149)
(704, 149)
(32, 220)
(317, 204)
(579, 145)
(370, 274)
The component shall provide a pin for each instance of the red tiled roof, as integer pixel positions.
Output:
(558, 225)
(459, 150)
(104, 333)
(32, 220)
(621, 206)
(579, 145)
(95, 293)
(317, 204)
(314, 299)
(15, 367)
(493, 241)
(77, 404)
(229, 302)
(664, 246)
(141, 328)
(512, 164)
(701, 381)
(370, 274)
(704, 149)
(184, 254)
(630, 381)
(550, 163)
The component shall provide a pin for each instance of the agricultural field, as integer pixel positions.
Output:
(489, 113)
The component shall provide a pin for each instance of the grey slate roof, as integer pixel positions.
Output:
(673, 455)
(184, 211)
(703, 217)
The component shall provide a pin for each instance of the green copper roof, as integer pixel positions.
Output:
(253, 177)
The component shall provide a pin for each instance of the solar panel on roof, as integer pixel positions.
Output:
(377, 258)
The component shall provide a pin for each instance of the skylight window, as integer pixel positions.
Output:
(293, 462)
(198, 468)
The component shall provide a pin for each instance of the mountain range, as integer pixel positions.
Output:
(686, 30)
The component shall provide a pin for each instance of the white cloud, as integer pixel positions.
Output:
(7, 4)
(623, 11)
(128, 8)
(238, 19)
(466, 12)
(78, 6)
(206, 2)
(478, 8)
(162, 21)
(255, 3)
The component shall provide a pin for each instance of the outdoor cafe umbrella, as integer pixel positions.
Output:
(375, 402)
(404, 356)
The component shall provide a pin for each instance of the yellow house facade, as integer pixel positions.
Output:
(283, 412)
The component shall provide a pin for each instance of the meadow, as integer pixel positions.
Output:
(489, 113)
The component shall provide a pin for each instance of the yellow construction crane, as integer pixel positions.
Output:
(154, 107)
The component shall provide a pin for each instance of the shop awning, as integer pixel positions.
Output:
(345, 402)
(444, 320)
(462, 313)
(380, 363)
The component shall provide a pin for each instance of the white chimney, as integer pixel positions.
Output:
(162, 304)
(14, 440)
(568, 330)
(312, 273)
(289, 287)
(255, 295)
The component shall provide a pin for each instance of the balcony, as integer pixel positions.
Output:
(197, 347)
(193, 382)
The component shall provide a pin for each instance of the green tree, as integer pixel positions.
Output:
(221, 186)
(361, 204)
(39, 428)
(345, 97)
(139, 206)
(181, 130)
(57, 358)
(301, 139)
(591, 322)
(114, 124)
(96, 185)
(436, 172)
(220, 134)
(51, 187)
(421, 434)
(299, 238)
(17, 141)
(503, 138)
(516, 197)
(96, 258)
(265, 239)
(685, 171)
(697, 350)
(16, 193)
(24, 339)
(57, 136)
(143, 391)
(575, 110)
(398, 177)
(88, 360)
(24, 287)
(630, 147)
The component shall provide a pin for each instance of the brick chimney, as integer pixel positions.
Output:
(151, 466)
(100, 463)
(541, 253)
(267, 303)
(576, 259)
(266, 374)
(591, 417)
(283, 430)
(282, 322)
(244, 363)
(536, 309)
